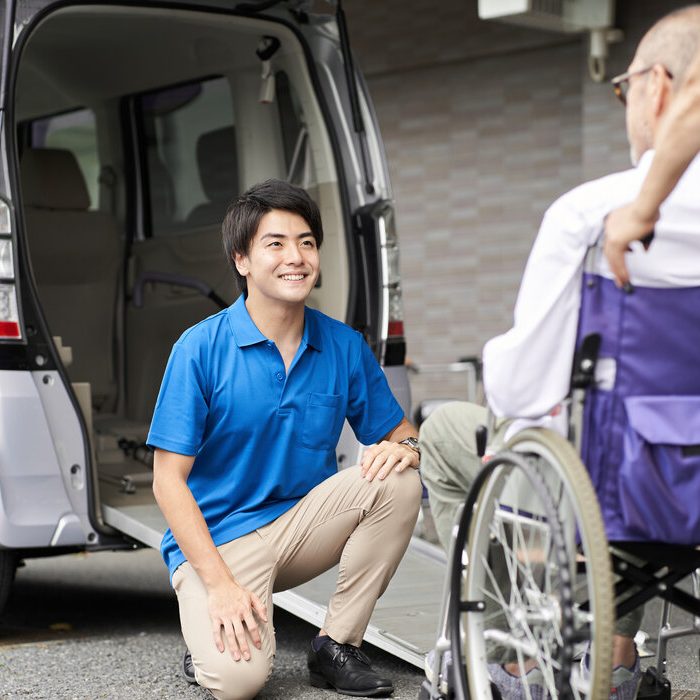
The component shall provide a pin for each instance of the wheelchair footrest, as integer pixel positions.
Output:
(654, 686)
(426, 693)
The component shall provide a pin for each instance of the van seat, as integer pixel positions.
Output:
(218, 173)
(76, 257)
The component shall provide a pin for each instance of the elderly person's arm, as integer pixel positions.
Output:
(678, 142)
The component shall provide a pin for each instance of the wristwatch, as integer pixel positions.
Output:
(412, 443)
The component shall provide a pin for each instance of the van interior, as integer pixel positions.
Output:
(135, 128)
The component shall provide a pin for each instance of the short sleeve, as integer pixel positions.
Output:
(182, 407)
(372, 409)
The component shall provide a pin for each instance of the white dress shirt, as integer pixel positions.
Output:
(527, 371)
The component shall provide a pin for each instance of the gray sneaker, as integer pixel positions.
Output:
(513, 687)
(624, 682)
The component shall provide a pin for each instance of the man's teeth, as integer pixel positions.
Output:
(293, 277)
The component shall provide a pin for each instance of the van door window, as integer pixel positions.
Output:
(189, 155)
(76, 132)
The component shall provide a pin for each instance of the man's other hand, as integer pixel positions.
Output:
(622, 226)
(233, 610)
(381, 459)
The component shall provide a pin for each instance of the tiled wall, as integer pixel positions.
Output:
(484, 126)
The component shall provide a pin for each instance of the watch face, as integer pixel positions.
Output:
(411, 442)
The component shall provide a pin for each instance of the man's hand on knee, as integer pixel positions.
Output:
(381, 459)
(233, 611)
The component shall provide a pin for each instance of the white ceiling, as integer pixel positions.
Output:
(87, 55)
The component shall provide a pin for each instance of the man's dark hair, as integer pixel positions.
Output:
(243, 217)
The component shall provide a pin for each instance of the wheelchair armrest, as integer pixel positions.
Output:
(585, 361)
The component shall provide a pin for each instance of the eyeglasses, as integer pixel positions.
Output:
(621, 83)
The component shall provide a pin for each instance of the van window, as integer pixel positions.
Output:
(189, 155)
(76, 132)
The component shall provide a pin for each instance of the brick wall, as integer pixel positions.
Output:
(484, 125)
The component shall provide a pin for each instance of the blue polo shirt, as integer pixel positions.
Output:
(263, 437)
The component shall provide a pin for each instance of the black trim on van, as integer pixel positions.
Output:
(392, 350)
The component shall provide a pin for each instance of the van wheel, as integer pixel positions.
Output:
(8, 566)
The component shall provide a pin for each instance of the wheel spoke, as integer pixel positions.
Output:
(509, 555)
(498, 597)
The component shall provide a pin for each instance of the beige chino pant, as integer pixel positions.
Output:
(364, 526)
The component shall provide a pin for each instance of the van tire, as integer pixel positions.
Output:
(8, 566)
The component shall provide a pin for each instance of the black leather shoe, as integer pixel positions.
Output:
(187, 668)
(345, 668)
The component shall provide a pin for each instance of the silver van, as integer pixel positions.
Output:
(127, 128)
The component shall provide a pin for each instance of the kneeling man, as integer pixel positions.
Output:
(245, 428)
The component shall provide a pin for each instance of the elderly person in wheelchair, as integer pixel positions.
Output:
(552, 561)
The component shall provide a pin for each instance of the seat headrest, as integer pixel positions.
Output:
(51, 179)
(218, 169)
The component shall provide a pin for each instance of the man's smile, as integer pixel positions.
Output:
(296, 277)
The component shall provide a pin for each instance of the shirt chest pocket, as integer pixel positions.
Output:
(322, 421)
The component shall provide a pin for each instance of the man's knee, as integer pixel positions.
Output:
(448, 446)
(227, 679)
(406, 491)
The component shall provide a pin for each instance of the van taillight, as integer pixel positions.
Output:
(395, 348)
(7, 267)
(10, 328)
(9, 321)
(395, 329)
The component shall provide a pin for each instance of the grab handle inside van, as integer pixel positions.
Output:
(173, 278)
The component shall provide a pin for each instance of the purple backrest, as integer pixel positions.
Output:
(641, 438)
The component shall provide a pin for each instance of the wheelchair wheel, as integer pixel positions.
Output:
(535, 587)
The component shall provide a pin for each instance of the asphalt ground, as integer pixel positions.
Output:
(105, 625)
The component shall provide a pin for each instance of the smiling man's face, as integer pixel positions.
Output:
(283, 263)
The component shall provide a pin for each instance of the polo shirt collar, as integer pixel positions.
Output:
(312, 332)
(244, 330)
(247, 333)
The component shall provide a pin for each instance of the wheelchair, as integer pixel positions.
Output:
(547, 553)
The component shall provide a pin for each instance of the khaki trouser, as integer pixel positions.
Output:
(449, 465)
(364, 526)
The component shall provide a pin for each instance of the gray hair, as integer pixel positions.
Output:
(673, 42)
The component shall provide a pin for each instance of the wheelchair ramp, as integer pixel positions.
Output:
(128, 504)
(144, 523)
(405, 619)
